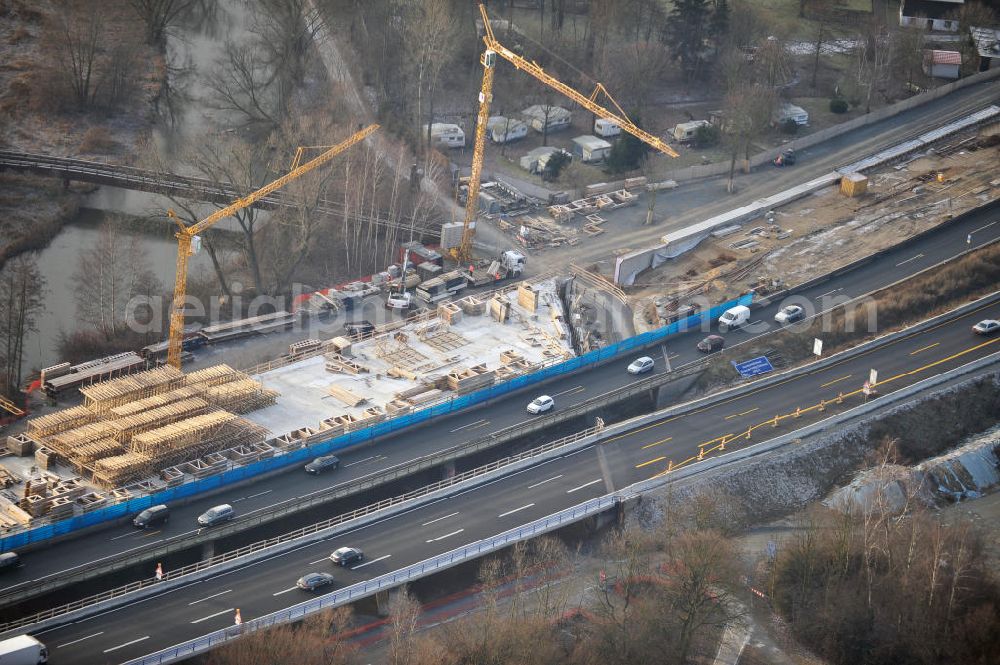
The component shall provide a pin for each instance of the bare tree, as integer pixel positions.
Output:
(22, 288)
(108, 275)
(872, 59)
(158, 15)
(404, 614)
(747, 111)
(75, 36)
(245, 83)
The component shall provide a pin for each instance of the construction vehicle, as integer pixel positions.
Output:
(488, 60)
(445, 286)
(188, 240)
(508, 265)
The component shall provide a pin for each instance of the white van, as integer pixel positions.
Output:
(734, 317)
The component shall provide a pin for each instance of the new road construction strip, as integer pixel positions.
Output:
(467, 516)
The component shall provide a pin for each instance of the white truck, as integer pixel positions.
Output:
(508, 265)
(23, 650)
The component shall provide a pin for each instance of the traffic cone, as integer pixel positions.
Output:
(775, 423)
(840, 398)
(701, 454)
(238, 620)
(822, 405)
(798, 412)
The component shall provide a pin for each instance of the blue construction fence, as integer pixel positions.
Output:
(302, 455)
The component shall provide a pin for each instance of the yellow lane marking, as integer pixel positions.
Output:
(652, 461)
(737, 415)
(150, 533)
(830, 383)
(727, 438)
(929, 346)
(656, 443)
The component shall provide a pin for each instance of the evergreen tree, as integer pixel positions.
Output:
(718, 27)
(687, 30)
(627, 154)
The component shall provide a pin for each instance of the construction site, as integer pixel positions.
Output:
(142, 432)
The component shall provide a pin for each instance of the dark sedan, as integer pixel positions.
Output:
(314, 581)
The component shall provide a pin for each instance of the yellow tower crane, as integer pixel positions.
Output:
(187, 234)
(488, 60)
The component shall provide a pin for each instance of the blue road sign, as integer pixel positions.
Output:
(753, 367)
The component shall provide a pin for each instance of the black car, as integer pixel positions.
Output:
(152, 517)
(9, 561)
(345, 556)
(357, 330)
(313, 581)
(321, 464)
(711, 343)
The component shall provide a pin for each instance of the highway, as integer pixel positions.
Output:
(265, 586)
(983, 225)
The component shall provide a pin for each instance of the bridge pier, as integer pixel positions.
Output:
(383, 602)
(669, 393)
(448, 470)
(65, 183)
(208, 549)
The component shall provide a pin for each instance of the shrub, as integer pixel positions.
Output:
(789, 126)
(707, 136)
(98, 139)
(838, 106)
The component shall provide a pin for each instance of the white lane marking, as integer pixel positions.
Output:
(254, 496)
(511, 512)
(285, 591)
(447, 535)
(981, 228)
(124, 535)
(214, 595)
(368, 563)
(531, 487)
(575, 389)
(912, 258)
(60, 646)
(599, 480)
(439, 519)
(361, 461)
(212, 616)
(481, 421)
(122, 646)
(313, 563)
(828, 293)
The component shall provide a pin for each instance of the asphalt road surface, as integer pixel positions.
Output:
(268, 585)
(983, 226)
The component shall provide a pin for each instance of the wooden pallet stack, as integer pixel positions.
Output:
(125, 428)
(240, 396)
(60, 421)
(118, 470)
(102, 397)
(469, 379)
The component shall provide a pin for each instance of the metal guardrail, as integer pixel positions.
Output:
(388, 581)
(532, 529)
(302, 532)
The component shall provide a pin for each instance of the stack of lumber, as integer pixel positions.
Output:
(128, 426)
(65, 443)
(118, 470)
(59, 421)
(177, 436)
(346, 396)
(213, 376)
(153, 402)
(241, 396)
(468, 379)
(102, 397)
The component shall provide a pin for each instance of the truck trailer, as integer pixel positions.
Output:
(23, 650)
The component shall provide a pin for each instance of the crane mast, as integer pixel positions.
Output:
(488, 59)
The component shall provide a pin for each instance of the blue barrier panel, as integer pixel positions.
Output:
(132, 506)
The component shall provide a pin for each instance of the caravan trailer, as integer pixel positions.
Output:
(446, 135)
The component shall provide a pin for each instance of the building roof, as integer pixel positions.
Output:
(987, 41)
(929, 8)
(943, 57)
(592, 142)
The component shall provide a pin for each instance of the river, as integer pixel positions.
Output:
(192, 50)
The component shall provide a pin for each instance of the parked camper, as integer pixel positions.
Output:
(734, 317)
(686, 131)
(606, 128)
(590, 149)
(535, 160)
(787, 112)
(23, 650)
(447, 135)
(505, 130)
(539, 116)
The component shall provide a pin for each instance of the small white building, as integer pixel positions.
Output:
(686, 131)
(942, 64)
(504, 130)
(786, 112)
(606, 128)
(934, 15)
(555, 117)
(535, 160)
(590, 149)
(447, 135)
(987, 41)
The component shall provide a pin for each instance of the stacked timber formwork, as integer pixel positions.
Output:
(134, 427)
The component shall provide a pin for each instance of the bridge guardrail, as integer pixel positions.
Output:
(368, 434)
(538, 527)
